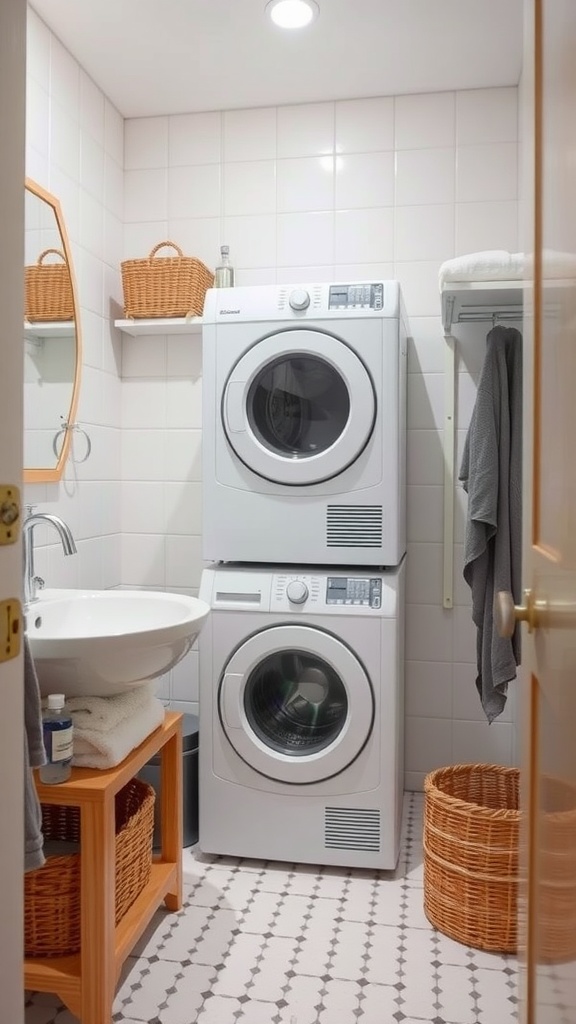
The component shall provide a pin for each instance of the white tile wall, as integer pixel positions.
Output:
(425, 121)
(303, 183)
(351, 189)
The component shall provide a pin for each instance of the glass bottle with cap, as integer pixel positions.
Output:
(224, 273)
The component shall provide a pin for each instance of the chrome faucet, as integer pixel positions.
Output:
(33, 583)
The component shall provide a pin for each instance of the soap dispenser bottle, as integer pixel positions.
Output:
(224, 273)
(57, 730)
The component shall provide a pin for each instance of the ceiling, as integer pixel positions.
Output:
(177, 56)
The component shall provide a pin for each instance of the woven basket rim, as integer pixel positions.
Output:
(457, 804)
(54, 858)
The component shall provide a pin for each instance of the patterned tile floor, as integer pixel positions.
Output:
(268, 943)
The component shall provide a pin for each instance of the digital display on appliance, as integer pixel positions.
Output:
(356, 296)
(354, 590)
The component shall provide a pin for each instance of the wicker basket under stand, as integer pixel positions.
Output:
(471, 830)
(52, 893)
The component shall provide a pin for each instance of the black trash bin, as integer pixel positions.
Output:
(151, 773)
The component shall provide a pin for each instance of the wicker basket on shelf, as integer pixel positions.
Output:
(52, 892)
(471, 830)
(165, 286)
(48, 290)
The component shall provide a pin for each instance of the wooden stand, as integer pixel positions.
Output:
(86, 982)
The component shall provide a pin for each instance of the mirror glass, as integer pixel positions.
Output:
(52, 346)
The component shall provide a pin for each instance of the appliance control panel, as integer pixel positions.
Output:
(356, 296)
(306, 593)
(354, 590)
(303, 302)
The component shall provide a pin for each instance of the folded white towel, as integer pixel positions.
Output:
(490, 265)
(558, 265)
(104, 713)
(100, 748)
(499, 265)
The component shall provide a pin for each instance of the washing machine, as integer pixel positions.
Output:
(304, 424)
(301, 714)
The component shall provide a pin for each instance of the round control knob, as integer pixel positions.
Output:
(299, 299)
(297, 591)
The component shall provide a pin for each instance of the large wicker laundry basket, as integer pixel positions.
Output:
(52, 892)
(471, 833)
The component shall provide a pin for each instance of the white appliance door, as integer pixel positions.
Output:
(298, 407)
(296, 704)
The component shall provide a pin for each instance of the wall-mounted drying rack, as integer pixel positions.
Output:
(466, 302)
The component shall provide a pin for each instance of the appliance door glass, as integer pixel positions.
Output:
(296, 704)
(299, 407)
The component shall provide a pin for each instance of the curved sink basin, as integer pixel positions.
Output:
(101, 642)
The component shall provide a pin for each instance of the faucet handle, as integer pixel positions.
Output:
(38, 582)
(29, 510)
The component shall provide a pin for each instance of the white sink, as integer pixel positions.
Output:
(101, 642)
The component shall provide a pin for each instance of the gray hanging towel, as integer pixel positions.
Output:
(34, 756)
(491, 473)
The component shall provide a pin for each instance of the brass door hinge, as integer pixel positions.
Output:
(9, 513)
(10, 628)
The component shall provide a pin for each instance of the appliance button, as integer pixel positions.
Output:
(297, 592)
(299, 299)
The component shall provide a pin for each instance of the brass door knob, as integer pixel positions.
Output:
(544, 613)
(507, 614)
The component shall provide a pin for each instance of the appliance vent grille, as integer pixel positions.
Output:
(354, 526)
(351, 828)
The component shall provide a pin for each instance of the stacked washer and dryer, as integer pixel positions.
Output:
(301, 658)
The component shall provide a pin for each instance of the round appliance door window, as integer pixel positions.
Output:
(299, 407)
(296, 704)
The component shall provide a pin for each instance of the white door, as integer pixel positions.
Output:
(296, 704)
(12, 114)
(299, 407)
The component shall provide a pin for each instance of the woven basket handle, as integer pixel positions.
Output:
(58, 252)
(161, 246)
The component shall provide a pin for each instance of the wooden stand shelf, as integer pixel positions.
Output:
(86, 983)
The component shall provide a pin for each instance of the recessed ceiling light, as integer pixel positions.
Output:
(292, 13)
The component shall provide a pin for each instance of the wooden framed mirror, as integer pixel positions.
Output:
(52, 338)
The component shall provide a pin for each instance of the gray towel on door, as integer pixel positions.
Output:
(34, 756)
(491, 473)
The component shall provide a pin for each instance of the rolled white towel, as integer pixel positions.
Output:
(104, 713)
(489, 265)
(558, 265)
(99, 748)
(499, 265)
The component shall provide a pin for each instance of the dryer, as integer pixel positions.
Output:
(301, 714)
(304, 424)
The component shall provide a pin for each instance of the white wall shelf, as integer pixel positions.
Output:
(161, 325)
(51, 329)
(467, 302)
(481, 302)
